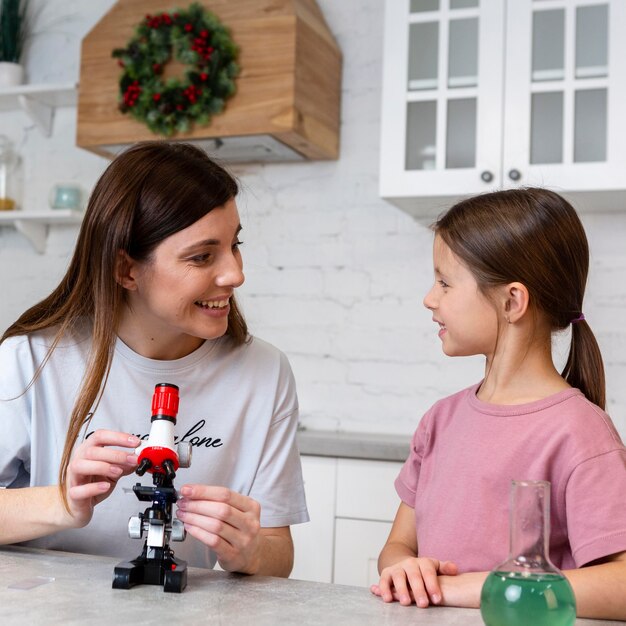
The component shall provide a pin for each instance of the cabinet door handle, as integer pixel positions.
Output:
(486, 176)
(515, 174)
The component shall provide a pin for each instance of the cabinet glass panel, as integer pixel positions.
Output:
(590, 125)
(461, 133)
(463, 53)
(423, 55)
(546, 128)
(421, 122)
(463, 4)
(419, 6)
(592, 41)
(548, 45)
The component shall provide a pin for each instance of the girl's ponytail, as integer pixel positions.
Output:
(584, 368)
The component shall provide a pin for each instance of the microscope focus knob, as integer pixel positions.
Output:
(178, 532)
(184, 454)
(135, 527)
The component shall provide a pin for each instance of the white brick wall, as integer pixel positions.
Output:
(335, 276)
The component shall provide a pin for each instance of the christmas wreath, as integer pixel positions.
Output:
(193, 37)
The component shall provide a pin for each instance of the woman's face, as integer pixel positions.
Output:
(181, 296)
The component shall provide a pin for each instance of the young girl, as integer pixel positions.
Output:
(149, 298)
(510, 269)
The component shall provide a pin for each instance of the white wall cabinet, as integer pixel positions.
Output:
(485, 94)
(352, 504)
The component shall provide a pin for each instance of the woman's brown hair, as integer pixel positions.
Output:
(149, 192)
(535, 237)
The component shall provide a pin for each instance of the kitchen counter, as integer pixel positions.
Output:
(48, 587)
(371, 446)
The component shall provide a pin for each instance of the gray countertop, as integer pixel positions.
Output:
(376, 447)
(48, 587)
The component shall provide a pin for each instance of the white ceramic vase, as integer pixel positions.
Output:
(11, 74)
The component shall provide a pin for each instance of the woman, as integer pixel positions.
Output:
(149, 298)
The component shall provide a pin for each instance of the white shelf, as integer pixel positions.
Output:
(34, 224)
(39, 101)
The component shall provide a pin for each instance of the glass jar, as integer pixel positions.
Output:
(9, 175)
(527, 588)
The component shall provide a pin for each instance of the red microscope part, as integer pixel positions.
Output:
(159, 455)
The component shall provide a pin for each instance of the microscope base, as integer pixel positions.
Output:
(163, 570)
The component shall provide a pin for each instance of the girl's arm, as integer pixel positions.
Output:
(599, 588)
(94, 470)
(402, 540)
(403, 575)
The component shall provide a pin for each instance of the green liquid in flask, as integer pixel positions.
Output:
(516, 599)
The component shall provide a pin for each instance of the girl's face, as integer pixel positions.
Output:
(182, 295)
(467, 320)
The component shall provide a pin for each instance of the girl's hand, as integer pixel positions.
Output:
(94, 470)
(414, 579)
(227, 522)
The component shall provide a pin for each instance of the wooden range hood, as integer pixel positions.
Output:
(287, 104)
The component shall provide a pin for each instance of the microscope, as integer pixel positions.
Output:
(161, 457)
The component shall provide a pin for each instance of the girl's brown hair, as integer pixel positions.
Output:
(532, 236)
(149, 192)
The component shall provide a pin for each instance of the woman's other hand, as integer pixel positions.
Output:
(226, 521)
(95, 468)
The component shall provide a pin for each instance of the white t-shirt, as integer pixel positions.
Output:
(238, 409)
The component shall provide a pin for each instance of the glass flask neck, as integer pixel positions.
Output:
(530, 526)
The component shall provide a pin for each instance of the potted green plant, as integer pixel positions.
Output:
(13, 19)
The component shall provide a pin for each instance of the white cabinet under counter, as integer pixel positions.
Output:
(348, 479)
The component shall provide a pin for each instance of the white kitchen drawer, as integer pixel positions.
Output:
(314, 541)
(365, 489)
(357, 546)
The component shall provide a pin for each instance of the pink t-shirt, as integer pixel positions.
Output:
(465, 453)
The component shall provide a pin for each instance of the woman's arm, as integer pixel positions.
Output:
(30, 513)
(93, 471)
(276, 552)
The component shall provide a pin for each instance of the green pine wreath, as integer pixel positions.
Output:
(194, 37)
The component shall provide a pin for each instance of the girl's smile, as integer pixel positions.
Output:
(465, 316)
(442, 327)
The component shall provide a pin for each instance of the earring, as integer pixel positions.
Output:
(508, 319)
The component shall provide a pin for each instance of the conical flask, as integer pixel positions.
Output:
(527, 588)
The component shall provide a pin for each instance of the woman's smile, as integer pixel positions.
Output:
(214, 308)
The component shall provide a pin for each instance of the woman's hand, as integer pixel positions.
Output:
(227, 522)
(94, 470)
(414, 579)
